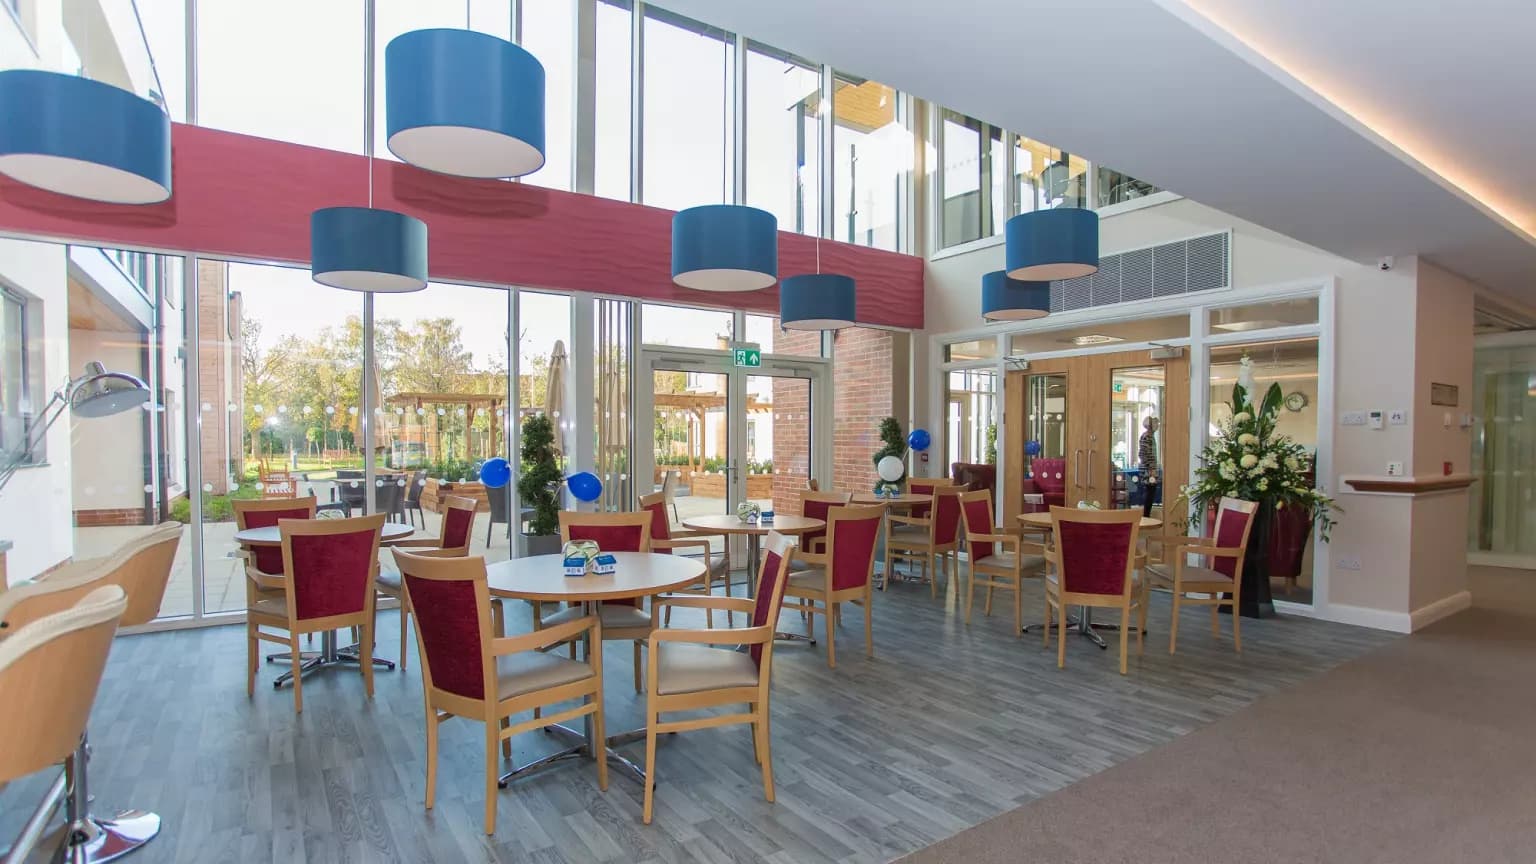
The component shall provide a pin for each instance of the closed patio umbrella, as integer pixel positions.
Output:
(554, 392)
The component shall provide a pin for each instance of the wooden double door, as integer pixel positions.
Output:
(1085, 417)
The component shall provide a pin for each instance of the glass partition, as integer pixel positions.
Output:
(1048, 177)
(1117, 188)
(1045, 426)
(1135, 436)
(611, 149)
(973, 179)
(549, 33)
(685, 327)
(1293, 364)
(1503, 522)
(971, 421)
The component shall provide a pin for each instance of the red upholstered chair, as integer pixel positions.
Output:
(932, 539)
(845, 573)
(328, 569)
(623, 620)
(1093, 563)
(996, 557)
(1050, 479)
(1220, 579)
(689, 674)
(264, 564)
(452, 541)
(468, 671)
(925, 486)
(814, 505)
(662, 541)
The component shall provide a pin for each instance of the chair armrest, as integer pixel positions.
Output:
(1213, 551)
(675, 544)
(547, 636)
(994, 538)
(700, 601)
(1028, 548)
(896, 518)
(818, 559)
(718, 636)
(415, 542)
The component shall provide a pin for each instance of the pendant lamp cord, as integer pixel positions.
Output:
(466, 15)
(725, 111)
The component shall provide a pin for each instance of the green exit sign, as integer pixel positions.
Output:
(749, 357)
(1119, 386)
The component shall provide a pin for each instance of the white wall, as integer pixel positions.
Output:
(35, 509)
(1380, 321)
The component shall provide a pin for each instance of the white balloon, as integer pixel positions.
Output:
(890, 469)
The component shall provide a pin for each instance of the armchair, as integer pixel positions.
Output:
(996, 557)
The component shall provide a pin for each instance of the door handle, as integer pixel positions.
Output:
(1091, 454)
(1077, 467)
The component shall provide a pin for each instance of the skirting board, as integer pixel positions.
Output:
(1399, 622)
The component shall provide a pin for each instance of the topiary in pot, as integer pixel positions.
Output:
(892, 443)
(540, 479)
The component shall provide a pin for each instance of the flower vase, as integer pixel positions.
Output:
(1256, 600)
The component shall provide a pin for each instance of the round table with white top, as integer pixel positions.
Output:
(270, 535)
(542, 579)
(755, 532)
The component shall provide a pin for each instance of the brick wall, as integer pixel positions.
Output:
(863, 396)
(863, 386)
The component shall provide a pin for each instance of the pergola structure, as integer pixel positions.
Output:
(699, 405)
(470, 402)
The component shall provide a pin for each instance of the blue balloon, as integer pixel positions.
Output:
(1032, 448)
(919, 439)
(585, 486)
(495, 473)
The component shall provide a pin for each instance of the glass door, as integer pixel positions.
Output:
(720, 435)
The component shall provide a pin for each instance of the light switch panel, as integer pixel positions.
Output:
(1398, 417)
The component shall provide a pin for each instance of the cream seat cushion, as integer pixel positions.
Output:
(682, 668)
(528, 671)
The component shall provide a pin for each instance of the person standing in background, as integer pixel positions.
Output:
(1147, 456)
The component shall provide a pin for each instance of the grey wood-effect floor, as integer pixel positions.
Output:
(945, 727)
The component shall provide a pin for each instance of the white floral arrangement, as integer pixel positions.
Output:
(1250, 461)
(748, 511)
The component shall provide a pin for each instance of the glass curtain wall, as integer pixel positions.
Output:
(783, 118)
(615, 101)
(1048, 177)
(872, 164)
(611, 411)
(549, 32)
(1503, 521)
(1117, 188)
(974, 179)
(439, 392)
(280, 375)
(689, 110)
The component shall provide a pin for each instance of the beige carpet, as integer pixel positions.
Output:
(1422, 751)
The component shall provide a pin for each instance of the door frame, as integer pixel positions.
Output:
(652, 358)
(1085, 405)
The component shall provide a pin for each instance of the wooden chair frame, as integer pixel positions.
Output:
(433, 547)
(1181, 548)
(706, 583)
(637, 635)
(362, 620)
(496, 713)
(1158, 546)
(259, 585)
(944, 557)
(836, 499)
(755, 698)
(993, 576)
(831, 601)
(1129, 599)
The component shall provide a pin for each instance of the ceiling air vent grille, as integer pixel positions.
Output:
(1168, 270)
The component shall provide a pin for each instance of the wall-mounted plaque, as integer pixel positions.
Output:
(1444, 394)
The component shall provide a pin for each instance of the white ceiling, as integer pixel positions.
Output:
(1156, 89)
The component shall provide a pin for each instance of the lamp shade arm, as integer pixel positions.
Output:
(34, 434)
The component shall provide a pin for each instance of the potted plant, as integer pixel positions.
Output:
(1250, 461)
(537, 486)
(892, 443)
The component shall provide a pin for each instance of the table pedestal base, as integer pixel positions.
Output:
(328, 657)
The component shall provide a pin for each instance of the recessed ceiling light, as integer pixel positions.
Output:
(1093, 339)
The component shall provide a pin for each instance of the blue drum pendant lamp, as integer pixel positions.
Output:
(817, 301)
(363, 249)
(725, 247)
(1004, 298)
(1047, 245)
(464, 103)
(83, 138)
